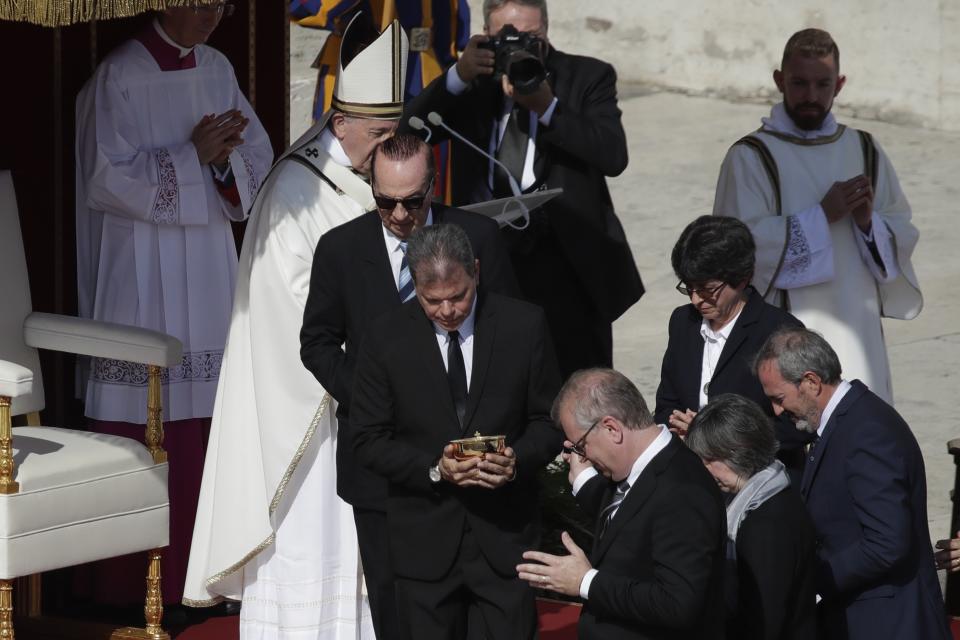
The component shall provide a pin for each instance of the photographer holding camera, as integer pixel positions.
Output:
(553, 120)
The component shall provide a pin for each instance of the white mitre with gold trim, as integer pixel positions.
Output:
(371, 84)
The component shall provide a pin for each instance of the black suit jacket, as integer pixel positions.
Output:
(584, 144)
(683, 360)
(660, 561)
(404, 415)
(866, 491)
(776, 596)
(351, 284)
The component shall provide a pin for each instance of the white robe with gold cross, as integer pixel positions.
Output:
(271, 529)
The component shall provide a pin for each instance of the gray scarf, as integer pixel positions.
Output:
(762, 486)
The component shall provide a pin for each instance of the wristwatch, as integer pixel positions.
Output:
(435, 476)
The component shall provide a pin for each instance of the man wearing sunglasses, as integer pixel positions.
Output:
(359, 273)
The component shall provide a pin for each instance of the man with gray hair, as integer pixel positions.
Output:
(656, 567)
(448, 365)
(866, 492)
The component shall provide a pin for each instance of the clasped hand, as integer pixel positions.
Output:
(215, 137)
(851, 197)
(489, 471)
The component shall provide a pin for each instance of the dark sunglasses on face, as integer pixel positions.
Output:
(411, 203)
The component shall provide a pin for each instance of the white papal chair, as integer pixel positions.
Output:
(69, 496)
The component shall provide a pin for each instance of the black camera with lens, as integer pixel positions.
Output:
(519, 56)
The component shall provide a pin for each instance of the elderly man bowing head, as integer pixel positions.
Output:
(655, 570)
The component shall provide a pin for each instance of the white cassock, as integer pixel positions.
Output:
(825, 274)
(270, 528)
(154, 243)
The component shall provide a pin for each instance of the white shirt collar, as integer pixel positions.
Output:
(780, 122)
(329, 143)
(835, 399)
(659, 444)
(184, 51)
(466, 327)
(707, 332)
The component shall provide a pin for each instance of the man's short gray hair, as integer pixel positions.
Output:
(433, 251)
(797, 351)
(736, 431)
(596, 393)
(489, 6)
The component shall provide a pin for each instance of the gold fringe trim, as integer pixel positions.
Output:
(278, 494)
(60, 13)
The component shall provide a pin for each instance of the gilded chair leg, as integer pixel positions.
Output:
(154, 435)
(8, 469)
(153, 608)
(6, 610)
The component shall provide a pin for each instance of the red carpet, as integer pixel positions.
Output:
(558, 621)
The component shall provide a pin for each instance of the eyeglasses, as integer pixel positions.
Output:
(222, 8)
(702, 292)
(412, 203)
(577, 447)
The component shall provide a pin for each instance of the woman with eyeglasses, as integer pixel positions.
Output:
(769, 580)
(712, 340)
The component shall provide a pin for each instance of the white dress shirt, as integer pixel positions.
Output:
(658, 445)
(456, 86)
(835, 399)
(713, 344)
(466, 342)
(394, 252)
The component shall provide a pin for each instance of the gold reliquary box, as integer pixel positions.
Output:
(466, 448)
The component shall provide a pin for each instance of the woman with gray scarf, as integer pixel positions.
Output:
(770, 548)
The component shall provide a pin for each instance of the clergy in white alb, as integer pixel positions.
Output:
(271, 530)
(169, 152)
(832, 226)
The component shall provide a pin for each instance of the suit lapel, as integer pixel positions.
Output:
(484, 334)
(636, 498)
(377, 275)
(815, 458)
(743, 327)
(424, 344)
(695, 344)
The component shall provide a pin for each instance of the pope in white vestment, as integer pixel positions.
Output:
(836, 279)
(271, 530)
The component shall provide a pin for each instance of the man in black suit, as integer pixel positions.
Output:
(447, 365)
(656, 568)
(573, 259)
(359, 273)
(865, 488)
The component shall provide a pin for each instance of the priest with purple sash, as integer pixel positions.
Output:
(169, 153)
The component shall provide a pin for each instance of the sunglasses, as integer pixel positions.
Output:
(411, 203)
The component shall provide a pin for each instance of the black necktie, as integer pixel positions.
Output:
(512, 151)
(457, 375)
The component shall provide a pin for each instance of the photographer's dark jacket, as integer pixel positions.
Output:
(584, 266)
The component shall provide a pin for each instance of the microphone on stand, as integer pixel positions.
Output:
(437, 120)
(417, 124)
